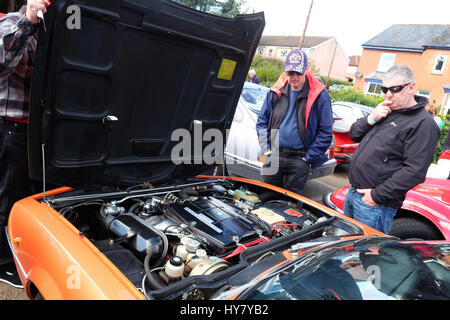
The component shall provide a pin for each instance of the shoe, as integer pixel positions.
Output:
(9, 275)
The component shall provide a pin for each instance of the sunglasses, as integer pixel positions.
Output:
(394, 89)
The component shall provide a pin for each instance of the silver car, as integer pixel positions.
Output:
(242, 148)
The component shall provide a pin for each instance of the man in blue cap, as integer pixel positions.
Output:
(294, 125)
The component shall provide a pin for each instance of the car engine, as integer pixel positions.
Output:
(193, 230)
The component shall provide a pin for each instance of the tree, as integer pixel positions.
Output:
(230, 8)
(227, 8)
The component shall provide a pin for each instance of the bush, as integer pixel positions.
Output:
(351, 95)
(267, 69)
(440, 145)
(332, 81)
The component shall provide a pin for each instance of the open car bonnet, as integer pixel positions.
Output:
(110, 89)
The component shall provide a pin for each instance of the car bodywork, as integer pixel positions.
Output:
(101, 124)
(345, 114)
(242, 150)
(429, 201)
(75, 251)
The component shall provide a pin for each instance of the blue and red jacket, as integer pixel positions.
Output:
(317, 121)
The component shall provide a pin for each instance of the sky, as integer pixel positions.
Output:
(351, 22)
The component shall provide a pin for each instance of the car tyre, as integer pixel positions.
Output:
(412, 228)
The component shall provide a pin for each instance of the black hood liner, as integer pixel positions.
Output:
(153, 65)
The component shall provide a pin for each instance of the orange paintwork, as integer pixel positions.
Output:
(64, 264)
(59, 261)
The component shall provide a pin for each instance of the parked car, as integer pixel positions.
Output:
(130, 221)
(365, 268)
(338, 87)
(345, 114)
(425, 213)
(242, 148)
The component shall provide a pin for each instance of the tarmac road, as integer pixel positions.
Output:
(315, 189)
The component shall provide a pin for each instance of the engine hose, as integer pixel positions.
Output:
(136, 205)
(153, 281)
(186, 193)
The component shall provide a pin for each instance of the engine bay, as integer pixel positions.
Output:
(167, 237)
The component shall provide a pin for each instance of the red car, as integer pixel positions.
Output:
(344, 115)
(425, 213)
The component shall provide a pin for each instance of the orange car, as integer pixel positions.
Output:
(115, 107)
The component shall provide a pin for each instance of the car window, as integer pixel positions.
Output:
(254, 96)
(365, 112)
(350, 114)
(341, 111)
(392, 271)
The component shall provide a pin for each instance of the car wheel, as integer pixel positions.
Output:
(411, 228)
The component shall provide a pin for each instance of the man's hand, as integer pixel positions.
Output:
(367, 198)
(33, 6)
(381, 111)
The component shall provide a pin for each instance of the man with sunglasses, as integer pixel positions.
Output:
(294, 126)
(396, 146)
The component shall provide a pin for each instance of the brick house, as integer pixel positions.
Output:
(324, 51)
(424, 48)
(352, 67)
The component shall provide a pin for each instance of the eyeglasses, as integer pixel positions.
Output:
(394, 89)
(293, 73)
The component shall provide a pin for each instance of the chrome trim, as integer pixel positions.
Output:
(16, 258)
(327, 202)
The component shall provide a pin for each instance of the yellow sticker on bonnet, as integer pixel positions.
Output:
(226, 69)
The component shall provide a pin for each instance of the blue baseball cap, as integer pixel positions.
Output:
(296, 61)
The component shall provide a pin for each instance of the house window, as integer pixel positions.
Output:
(445, 110)
(439, 64)
(386, 61)
(284, 53)
(373, 88)
(270, 52)
(260, 51)
(423, 93)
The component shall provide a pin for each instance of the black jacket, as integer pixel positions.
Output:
(393, 156)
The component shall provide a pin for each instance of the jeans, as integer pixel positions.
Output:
(14, 177)
(291, 174)
(379, 217)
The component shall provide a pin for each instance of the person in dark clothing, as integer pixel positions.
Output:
(396, 146)
(294, 125)
(252, 77)
(18, 38)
